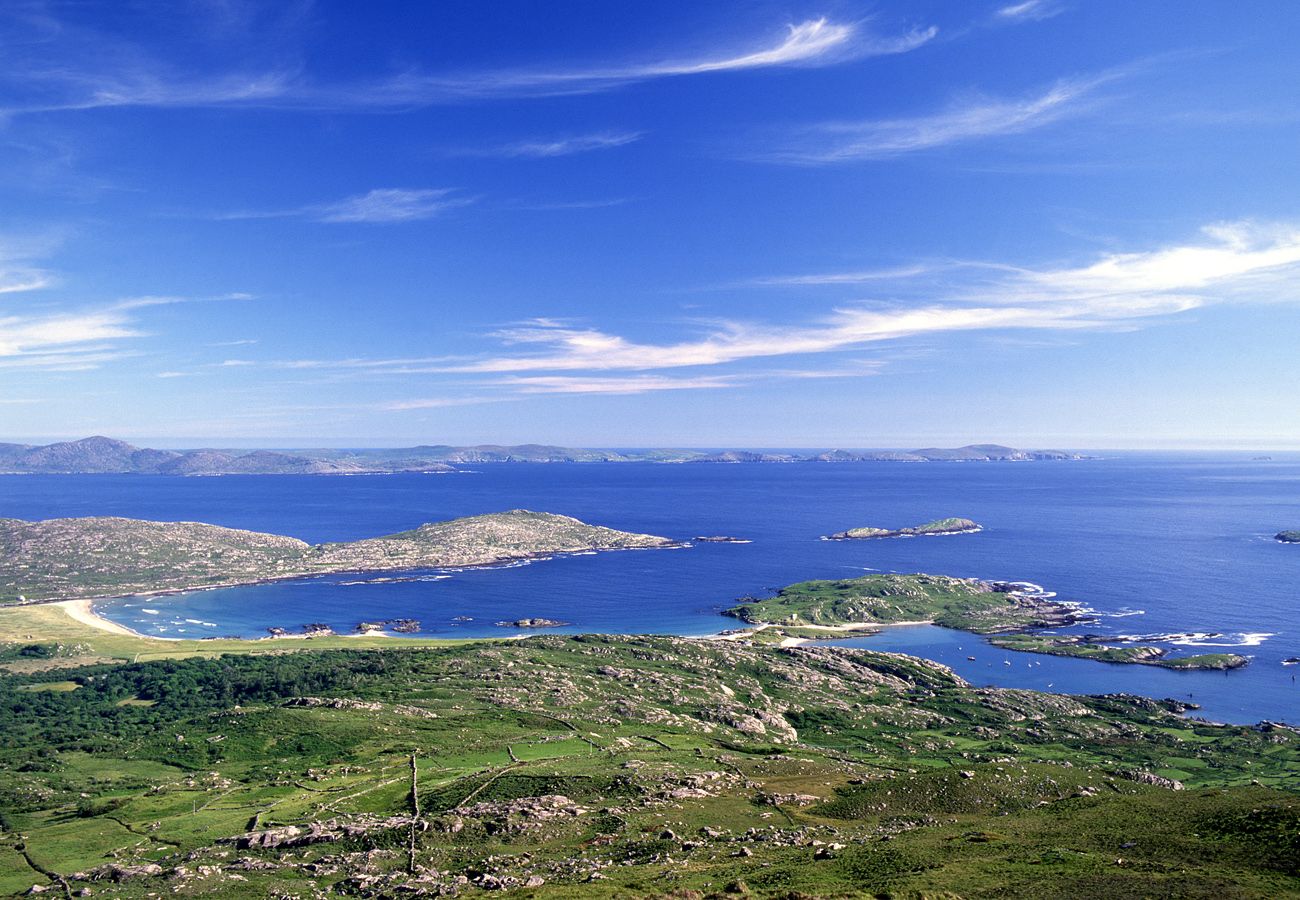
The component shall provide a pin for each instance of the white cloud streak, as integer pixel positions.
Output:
(390, 205)
(979, 118)
(78, 339)
(561, 146)
(810, 43)
(860, 277)
(128, 77)
(1231, 263)
(1030, 10)
(378, 206)
(634, 384)
(1235, 262)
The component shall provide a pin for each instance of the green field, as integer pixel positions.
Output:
(599, 766)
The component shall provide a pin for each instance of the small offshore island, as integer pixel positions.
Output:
(951, 525)
(826, 610)
(99, 557)
(1287, 537)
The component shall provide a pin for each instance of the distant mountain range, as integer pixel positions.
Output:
(101, 455)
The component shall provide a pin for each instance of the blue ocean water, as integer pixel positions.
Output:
(1153, 543)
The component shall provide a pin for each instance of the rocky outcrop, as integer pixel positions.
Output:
(533, 623)
(1143, 777)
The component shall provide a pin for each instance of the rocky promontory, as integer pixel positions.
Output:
(61, 559)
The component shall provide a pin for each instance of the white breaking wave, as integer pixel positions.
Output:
(1245, 639)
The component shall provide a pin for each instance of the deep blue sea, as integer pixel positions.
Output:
(1153, 543)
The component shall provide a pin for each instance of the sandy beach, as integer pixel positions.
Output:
(846, 630)
(83, 611)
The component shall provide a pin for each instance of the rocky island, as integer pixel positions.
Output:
(534, 623)
(801, 611)
(1091, 647)
(60, 559)
(951, 525)
(1287, 537)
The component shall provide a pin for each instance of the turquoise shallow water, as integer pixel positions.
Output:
(1154, 543)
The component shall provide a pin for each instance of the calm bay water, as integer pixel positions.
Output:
(1154, 543)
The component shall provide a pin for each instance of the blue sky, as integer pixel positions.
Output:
(1047, 223)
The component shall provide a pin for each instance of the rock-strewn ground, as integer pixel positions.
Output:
(624, 766)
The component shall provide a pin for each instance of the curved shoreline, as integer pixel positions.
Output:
(83, 611)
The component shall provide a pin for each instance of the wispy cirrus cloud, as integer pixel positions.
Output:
(51, 340)
(35, 336)
(391, 205)
(632, 384)
(378, 206)
(19, 269)
(809, 43)
(972, 119)
(79, 337)
(96, 72)
(1030, 10)
(1233, 262)
(1240, 262)
(559, 146)
(437, 403)
(861, 276)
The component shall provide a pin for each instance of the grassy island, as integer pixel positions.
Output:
(104, 556)
(937, 527)
(814, 610)
(963, 603)
(613, 766)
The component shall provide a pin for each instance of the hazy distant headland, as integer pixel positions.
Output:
(102, 455)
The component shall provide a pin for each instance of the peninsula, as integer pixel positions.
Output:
(951, 525)
(828, 609)
(60, 559)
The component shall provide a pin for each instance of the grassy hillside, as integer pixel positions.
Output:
(592, 766)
